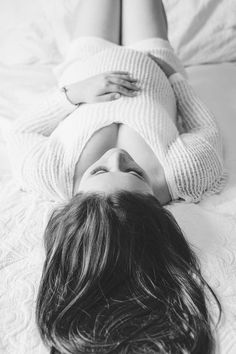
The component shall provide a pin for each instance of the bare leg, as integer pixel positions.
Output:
(142, 19)
(99, 18)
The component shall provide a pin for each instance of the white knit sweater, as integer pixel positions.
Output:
(44, 146)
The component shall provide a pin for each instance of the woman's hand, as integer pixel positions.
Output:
(102, 88)
(168, 70)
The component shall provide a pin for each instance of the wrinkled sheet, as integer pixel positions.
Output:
(202, 31)
(210, 226)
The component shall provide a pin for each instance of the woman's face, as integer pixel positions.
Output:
(115, 171)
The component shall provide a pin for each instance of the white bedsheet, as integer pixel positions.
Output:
(209, 226)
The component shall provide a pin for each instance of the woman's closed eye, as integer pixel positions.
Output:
(134, 171)
(99, 169)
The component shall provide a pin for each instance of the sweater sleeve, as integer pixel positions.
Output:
(196, 156)
(37, 159)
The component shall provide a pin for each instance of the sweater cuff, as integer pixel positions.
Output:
(176, 77)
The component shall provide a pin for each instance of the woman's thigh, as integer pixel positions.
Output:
(142, 19)
(98, 18)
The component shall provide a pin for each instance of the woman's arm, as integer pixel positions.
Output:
(195, 116)
(32, 153)
(38, 160)
(44, 114)
(196, 155)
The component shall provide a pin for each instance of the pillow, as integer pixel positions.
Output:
(201, 31)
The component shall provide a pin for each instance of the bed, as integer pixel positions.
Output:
(207, 46)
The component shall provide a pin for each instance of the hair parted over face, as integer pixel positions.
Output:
(119, 277)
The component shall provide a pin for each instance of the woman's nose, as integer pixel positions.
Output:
(119, 160)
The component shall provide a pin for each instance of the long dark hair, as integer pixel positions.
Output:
(119, 277)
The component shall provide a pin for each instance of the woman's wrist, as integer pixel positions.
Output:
(70, 97)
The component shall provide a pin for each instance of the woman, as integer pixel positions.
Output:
(119, 276)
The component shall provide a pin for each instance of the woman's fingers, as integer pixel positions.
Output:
(120, 75)
(128, 77)
(117, 72)
(120, 89)
(131, 85)
(108, 97)
(120, 83)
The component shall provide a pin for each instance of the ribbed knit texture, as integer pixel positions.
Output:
(44, 153)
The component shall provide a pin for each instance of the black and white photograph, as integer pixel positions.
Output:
(118, 176)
